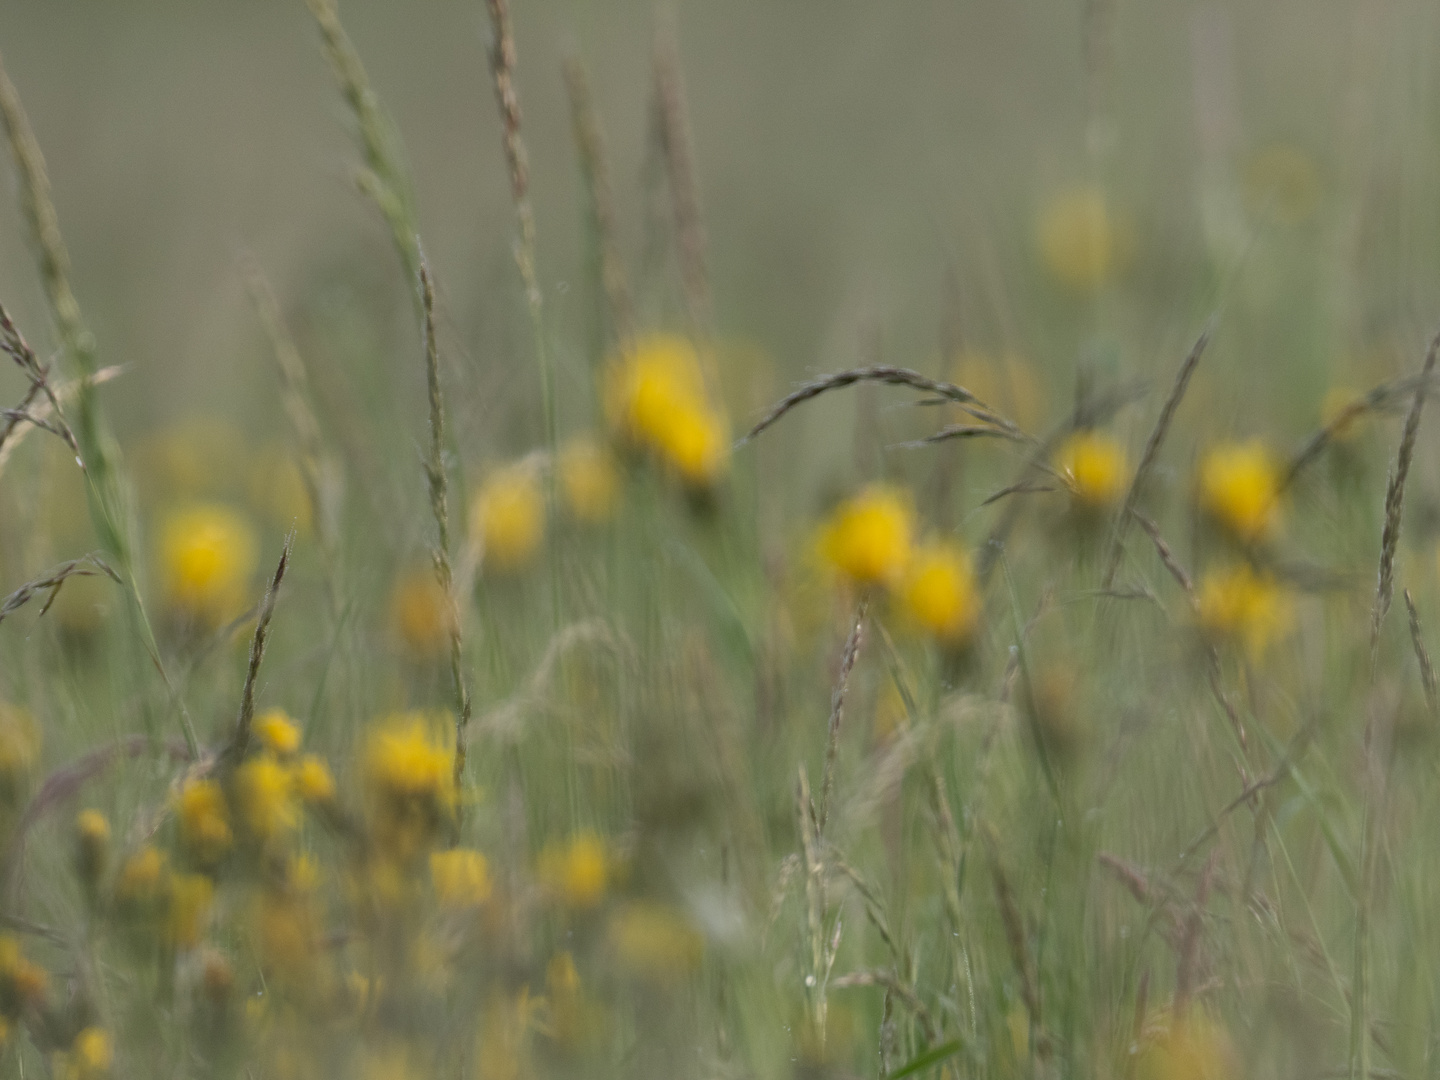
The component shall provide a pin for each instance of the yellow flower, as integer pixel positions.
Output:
(1095, 468)
(266, 795)
(92, 845)
(277, 732)
(461, 877)
(1281, 180)
(1240, 489)
(422, 616)
(287, 933)
(408, 766)
(142, 876)
(207, 554)
(868, 537)
(655, 941)
(589, 480)
(204, 820)
(1192, 1048)
(507, 519)
(938, 592)
(578, 872)
(1078, 239)
(655, 398)
(312, 780)
(191, 896)
(1238, 603)
(90, 1056)
(22, 983)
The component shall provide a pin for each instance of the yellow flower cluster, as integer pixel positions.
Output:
(89, 1057)
(422, 615)
(461, 878)
(589, 480)
(22, 982)
(207, 555)
(577, 872)
(870, 540)
(655, 941)
(1094, 467)
(507, 517)
(1239, 487)
(656, 401)
(1239, 604)
(20, 742)
(1079, 239)
(408, 765)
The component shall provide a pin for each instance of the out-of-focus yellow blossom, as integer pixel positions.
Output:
(22, 982)
(577, 872)
(461, 877)
(561, 978)
(1240, 604)
(287, 933)
(277, 732)
(265, 792)
(938, 592)
(655, 941)
(313, 781)
(1006, 383)
(868, 538)
(1281, 180)
(92, 846)
(207, 554)
(507, 517)
(655, 399)
(89, 1057)
(1077, 232)
(408, 767)
(20, 741)
(191, 897)
(192, 459)
(589, 480)
(1338, 401)
(1240, 489)
(204, 820)
(1190, 1049)
(422, 616)
(142, 877)
(302, 874)
(1095, 467)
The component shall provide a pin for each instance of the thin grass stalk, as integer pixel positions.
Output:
(384, 179)
(814, 870)
(837, 712)
(595, 168)
(14, 345)
(435, 476)
(38, 413)
(1151, 452)
(86, 566)
(672, 125)
(98, 458)
(239, 743)
(1422, 656)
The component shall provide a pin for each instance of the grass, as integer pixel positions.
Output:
(353, 751)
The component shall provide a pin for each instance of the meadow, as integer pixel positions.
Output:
(515, 664)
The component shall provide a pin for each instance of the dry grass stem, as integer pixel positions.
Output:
(86, 566)
(14, 345)
(239, 744)
(1422, 655)
(1152, 452)
(837, 712)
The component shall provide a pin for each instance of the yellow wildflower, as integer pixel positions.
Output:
(22, 983)
(287, 933)
(561, 978)
(89, 1058)
(191, 896)
(656, 399)
(312, 780)
(277, 732)
(142, 877)
(204, 820)
(1281, 180)
(1240, 489)
(92, 845)
(266, 797)
(655, 941)
(422, 616)
(461, 877)
(507, 517)
(589, 480)
(207, 554)
(20, 742)
(1094, 467)
(939, 594)
(408, 767)
(1192, 1048)
(1238, 603)
(578, 872)
(868, 537)
(1078, 239)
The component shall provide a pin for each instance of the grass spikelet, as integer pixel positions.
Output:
(837, 713)
(91, 565)
(1152, 451)
(1395, 501)
(1422, 656)
(435, 476)
(240, 741)
(14, 345)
